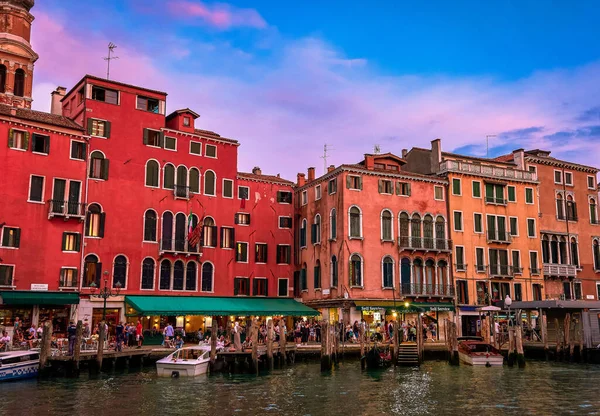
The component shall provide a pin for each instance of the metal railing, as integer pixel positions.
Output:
(499, 237)
(568, 216)
(559, 270)
(564, 296)
(494, 200)
(424, 243)
(534, 270)
(62, 208)
(489, 171)
(181, 192)
(177, 246)
(427, 289)
(480, 268)
(501, 270)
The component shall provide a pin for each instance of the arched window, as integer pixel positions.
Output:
(418, 276)
(593, 211)
(150, 225)
(574, 252)
(317, 275)
(386, 226)
(442, 282)
(194, 181)
(169, 176)
(303, 233)
(2, 78)
(334, 272)
(560, 207)
(120, 272)
(387, 271)
(94, 221)
(571, 209)
(181, 188)
(596, 252)
(355, 222)
(19, 90)
(190, 275)
(316, 230)
(429, 276)
(98, 165)
(428, 232)
(333, 224)
(356, 270)
(178, 269)
(180, 232)
(415, 231)
(92, 271)
(563, 251)
(210, 183)
(210, 233)
(440, 234)
(165, 275)
(152, 170)
(148, 274)
(545, 249)
(403, 229)
(207, 277)
(554, 250)
(167, 231)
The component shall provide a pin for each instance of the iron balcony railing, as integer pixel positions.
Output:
(181, 192)
(567, 216)
(559, 270)
(488, 171)
(482, 268)
(177, 246)
(534, 270)
(502, 270)
(564, 296)
(502, 237)
(424, 243)
(494, 200)
(62, 208)
(417, 289)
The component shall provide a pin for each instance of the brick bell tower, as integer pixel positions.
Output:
(16, 55)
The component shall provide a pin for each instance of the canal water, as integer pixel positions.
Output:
(434, 389)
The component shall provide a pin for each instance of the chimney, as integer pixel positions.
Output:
(436, 155)
(55, 104)
(330, 168)
(311, 174)
(404, 153)
(301, 179)
(256, 170)
(519, 158)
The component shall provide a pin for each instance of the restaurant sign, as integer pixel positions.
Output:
(39, 286)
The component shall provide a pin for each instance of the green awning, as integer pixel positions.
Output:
(399, 306)
(218, 306)
(32, 297)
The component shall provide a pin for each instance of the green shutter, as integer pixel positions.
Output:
(26, 141)
(254, 287)
(98, 273)
(90, 125)
(47, 145)
(360, 186)
(161, 139)
(104, 169)
(64, 241)
(102, 222)
(380, 186)
(11, 140)
(408, 189)
(348, 182)
(17, 237)
(398, 188)
(107, 129)
(235, 287)
(88, 218)
(77, 242)
(145, 139)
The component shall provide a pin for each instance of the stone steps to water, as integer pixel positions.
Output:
(408, 355)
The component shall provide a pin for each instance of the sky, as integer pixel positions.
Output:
(286, 78)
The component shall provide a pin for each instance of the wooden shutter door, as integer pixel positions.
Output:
(101, 227)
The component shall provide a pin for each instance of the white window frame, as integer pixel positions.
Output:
(459, 187)
(67, 185)
(112, 269)
(391, 226)
(330, 228)
(160, 169)
(260, 243)
(287, 192)
(318, 193)
(190, 148)
(104, 121)
(520, 260)
(42, 202)
(287, 285)
(238, 192)
(279, 222)
(393, 272)
(249, 286)
(227, 248)
(76, 276)
(593, 180)
(484, 257)
(565, 178)
(240, 224)
(304, 197)
(482, 228)
(170, 150)
(391, 186)
(14, 268)
(473, 190)
(532, 196)
(355, 176)
(267, 286)
(537, 266)
(320, 224)
(517, 228)
(508, 194)
(40, 153)
(360, 223)
(71, 232)
(4, 228)
(223, 188)
(554, 177)
(463, 259)
(442, 188)
(291, 255)
(204, 183)
(534, 229)
(20, 150)
(71, 148)
(211, 157)
(462, 222)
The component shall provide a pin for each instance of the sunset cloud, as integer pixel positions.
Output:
(220, 15)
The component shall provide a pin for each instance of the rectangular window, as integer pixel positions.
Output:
(68, 278)
(284, 197)
(11, 237)
(317, 192)
(476, 189)
(537, 291)
(514, 227)
(386, 187)
(460, 258)
(195, 148)
(227, 188)
(171, 143)
(304, 197)
(456, 188)
(242, 218)
(403, 188)
(494, 194)
(568, 178)
(36, 188)
(533, 262)
(516, 262)
(282, 288)
(531, 227)
(210, 150)
(153, 138)
(243, 192)
(354, 182)
(478, 223)
(458, 221)
(241, 286)
(518, 292)
(40, 143)
(104, 94)
(227, 237)
(392, 167)
(479, 255)
(332, 187)
(259, 286)
(147, 104)
(462, 292)
(6, 275)
(379, 166)
(284, 254)
(512, 194)
(260, 253)
(71, 241)
(241, 252)
(557, 176)
(186, 121)
(529, 195)
(18, 139)
(78, 150)
(80, 96)
(591, 181)
(285, 222)
(438, 193)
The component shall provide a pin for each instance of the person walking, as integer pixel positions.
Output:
(139, 336)
(72, 335)
(119, 330)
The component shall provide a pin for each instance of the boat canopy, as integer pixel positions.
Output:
(217, 306)
(38, 297)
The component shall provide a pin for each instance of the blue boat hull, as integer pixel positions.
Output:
(19, 371)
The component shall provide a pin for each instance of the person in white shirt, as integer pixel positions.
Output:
(4, 341)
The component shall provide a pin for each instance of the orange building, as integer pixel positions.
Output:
(372, 237)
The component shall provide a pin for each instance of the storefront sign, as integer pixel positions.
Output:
(325, 292)
(39, 286)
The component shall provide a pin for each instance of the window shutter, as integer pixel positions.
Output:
(145, 139)
(64, 241)
(102, 221)
(88, 217)
(47, 145)
(107, 129)
(266, 253)
(78, 242)
(360, 183)
(408, 189)
(214, 235)
(232, 235)
(248, 219)
(398, 188)
(90, 124)
(235, 287)
(222, 235)
(26, 140)
(104, 169)
(84, 146)
(254, 287)
(350, 272)
(161, 139)
(266, 287)
(348, 182)
(11, 140)
(17, 237)
(380, 186)
(313, 233)
(236, 219)
(98, 274)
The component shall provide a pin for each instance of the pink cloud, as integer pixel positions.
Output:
(221, 16)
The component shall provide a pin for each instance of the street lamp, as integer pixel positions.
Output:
(105, 293)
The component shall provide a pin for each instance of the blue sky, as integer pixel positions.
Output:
(351, 74)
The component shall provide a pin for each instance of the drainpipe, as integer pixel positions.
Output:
(569, 257)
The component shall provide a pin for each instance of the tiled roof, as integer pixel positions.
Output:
(264, 178)
(481, 159)
(505, 158)
(212, 133)
(39, 117)
(110, 81)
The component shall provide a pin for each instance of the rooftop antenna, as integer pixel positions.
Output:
(377, 149)
(326, 148)
(111, 50)
(487, 144)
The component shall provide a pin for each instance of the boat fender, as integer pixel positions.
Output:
(487, 364)
(175, 374)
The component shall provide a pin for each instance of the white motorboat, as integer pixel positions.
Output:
(473, 351)
(16, 365)
(185, 362)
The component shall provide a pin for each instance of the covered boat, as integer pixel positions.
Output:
(473, 351)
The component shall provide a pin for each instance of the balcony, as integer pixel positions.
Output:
(500, 237)
(495, 201)
(502, 270)
(177, 246)
(427, 290)
(559, 270)
(181, 192)
(425, 244)
(66, 209)
(569, 216)
(487, 171)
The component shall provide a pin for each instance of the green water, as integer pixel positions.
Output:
(434, 389)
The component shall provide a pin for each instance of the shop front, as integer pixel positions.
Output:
(91, 309)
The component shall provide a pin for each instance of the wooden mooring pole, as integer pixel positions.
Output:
(270, 344)
(77, 350)
(559, 338)
(453, 330)
(254, 328)
(420, 337)
(46, 350)
(544, 325)
(282, 342)
(396, 342)
(361, 335)
(325, 347)
(511, 346)
(567, 336)
(519, 343)
(213, 343)
(580, 339)
(101, 336)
